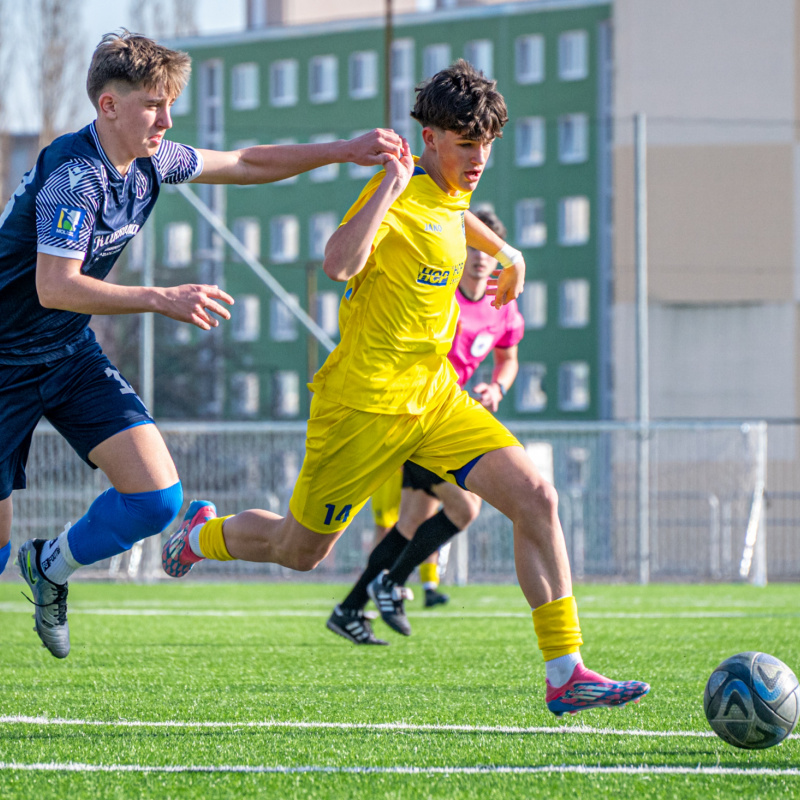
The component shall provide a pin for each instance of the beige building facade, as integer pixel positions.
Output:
(718, 81)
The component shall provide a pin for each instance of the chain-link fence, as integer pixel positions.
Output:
(704, 495)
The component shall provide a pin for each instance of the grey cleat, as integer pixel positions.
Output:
(49, 598)
(389, 596)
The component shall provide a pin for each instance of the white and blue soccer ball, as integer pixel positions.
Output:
(752, 700)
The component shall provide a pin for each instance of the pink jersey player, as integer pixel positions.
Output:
(481, 328)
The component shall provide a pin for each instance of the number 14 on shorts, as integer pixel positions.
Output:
(342, 516)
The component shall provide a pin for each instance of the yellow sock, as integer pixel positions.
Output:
(557, 628)
(212, 542)
(429, 573)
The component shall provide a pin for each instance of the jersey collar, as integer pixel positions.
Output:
(113, 171)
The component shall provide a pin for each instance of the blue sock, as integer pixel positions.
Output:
(5, 552)
(115, 522)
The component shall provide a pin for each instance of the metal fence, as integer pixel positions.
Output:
(717, 508)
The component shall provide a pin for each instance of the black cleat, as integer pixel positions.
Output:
(388, 596)
(435, 598)
(353, 625)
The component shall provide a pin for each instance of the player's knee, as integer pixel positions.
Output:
(544, 499)
(149, 513)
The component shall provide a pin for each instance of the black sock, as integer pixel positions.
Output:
(430, 536)
(382, 557)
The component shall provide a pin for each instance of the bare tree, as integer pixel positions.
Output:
(60, 65)
(164, 18)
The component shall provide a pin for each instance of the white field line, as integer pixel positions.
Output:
(167, 611)
(489, 769)
(361, 726)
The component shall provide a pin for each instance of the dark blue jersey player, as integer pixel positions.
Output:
(60, 233)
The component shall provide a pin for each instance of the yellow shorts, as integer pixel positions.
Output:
(386, 501)
(351, 453)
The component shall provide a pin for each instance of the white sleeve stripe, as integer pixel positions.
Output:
(62, 252)
(199, 171)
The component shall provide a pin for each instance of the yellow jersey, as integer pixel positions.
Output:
(398, 316)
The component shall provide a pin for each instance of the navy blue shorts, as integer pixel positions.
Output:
(83, 396)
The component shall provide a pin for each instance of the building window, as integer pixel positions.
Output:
(573, 61)
(211, 121)
(245, 394)
(248, 231)
(323, 79)
(330, 172)
(529, 391)
(435, 58)
(282, 323)
(244, 87)
(283, 83)
(285, 394)
(284, 244)
(178, 244)
(328, 312)
(531, 228)
(573, 220)
(576, 467)
(529, 58)
(356, 170)
(293, 178)
(246, 318)
(573, 136)
(573, 386)
(402, 87)
(573, 304)
(183, 102)
(363, 74)
(320, 229)
(533, 305)
(529, 138)
(480, 53)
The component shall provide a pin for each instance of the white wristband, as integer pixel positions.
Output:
(508, 256)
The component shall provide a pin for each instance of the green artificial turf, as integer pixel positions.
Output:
(256, 653)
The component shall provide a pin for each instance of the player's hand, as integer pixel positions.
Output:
(375, 148)
(196, 303)
(506, 284)
(400, 170)
(488, 395)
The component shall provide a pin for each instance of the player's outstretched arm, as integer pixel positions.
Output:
(268, 163)
(506, 366)
(349, 248)
(61, 284)
(508, 281)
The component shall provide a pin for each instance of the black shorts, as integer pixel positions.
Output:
(417, 477)
(84, 397)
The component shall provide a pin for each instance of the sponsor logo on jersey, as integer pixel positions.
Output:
(126, 230)
(432, 227)
(67, 223)
(432, 276)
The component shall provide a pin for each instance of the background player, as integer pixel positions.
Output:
(73, 213)
(422, 528)
(387, 394)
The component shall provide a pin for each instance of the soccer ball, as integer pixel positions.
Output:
(752, 700)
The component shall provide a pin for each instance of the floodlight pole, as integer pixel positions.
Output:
(642, 349)
(388, 37)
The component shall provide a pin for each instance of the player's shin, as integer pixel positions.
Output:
(211, 540)
(5, 552)
(559, 633)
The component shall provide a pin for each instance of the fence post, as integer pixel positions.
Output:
(642, 350)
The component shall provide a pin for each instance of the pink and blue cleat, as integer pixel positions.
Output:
(587, 689)
(177, 558)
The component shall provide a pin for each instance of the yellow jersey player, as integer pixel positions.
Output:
(388, 394)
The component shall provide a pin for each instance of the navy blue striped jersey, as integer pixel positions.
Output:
(74, 204)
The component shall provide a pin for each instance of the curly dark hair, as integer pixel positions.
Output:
(462, 100)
